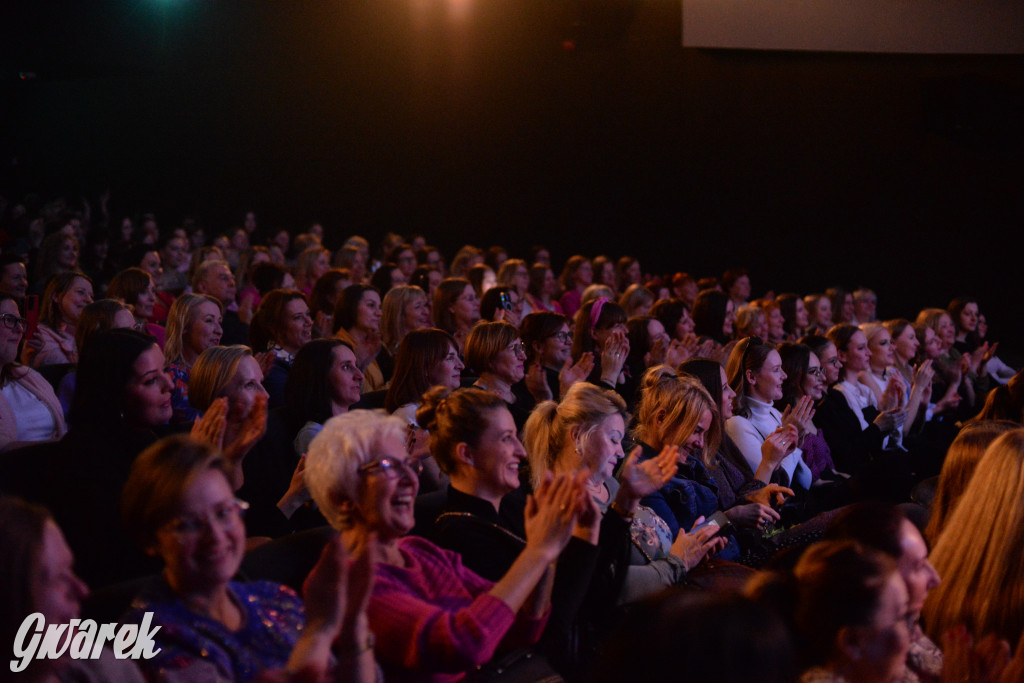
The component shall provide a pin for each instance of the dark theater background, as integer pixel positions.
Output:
(584, 125)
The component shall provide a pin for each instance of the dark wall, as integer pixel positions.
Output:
(581, 125)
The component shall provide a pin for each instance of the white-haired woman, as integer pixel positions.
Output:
(433, 619)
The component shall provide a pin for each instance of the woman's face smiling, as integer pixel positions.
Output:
(693, 445)
(416, 313)
(509, 363)
(77, 297)
(556, 349)
(830, 363)
(145, 302)
(384, 499)
(813, 384)
(10, 338)
(766, 384)
(298, 326)
(148, 394)
(448, 372)
(202, 546)
(498, 454)
(204, 329)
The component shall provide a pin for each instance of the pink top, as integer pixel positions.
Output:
(434, 619)
(571, 302)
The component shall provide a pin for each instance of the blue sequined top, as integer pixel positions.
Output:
(272, 621)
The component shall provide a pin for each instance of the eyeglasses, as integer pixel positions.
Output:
(562, 337)
(392, 468)
(816, 372)
(516, 347)
(224, 515)
(834, 362)
(13, 322)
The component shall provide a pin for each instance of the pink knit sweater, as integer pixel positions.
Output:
(434, 620)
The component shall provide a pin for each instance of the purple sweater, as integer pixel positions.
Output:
(434, 620)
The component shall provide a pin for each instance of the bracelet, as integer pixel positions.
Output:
(615, 507)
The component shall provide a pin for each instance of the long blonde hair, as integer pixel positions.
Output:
(392, 318)
(957, 469)
(550, 425)
(180, 316)
(978, 553)
(671, 404)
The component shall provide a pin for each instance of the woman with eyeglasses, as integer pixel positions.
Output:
(848, 606)
(856, 424)
(547, 341)
(29, 409)
(178, 505)
(433, 618)
(805, 378)
(495, 352)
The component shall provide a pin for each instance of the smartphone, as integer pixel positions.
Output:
(505, 301)
(717, 520)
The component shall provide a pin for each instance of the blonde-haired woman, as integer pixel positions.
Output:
(961, 460)
(584, 433)
(405, 308)
(433, 618)
(978, 553)
(310, 265)
(193, 325)
(678, 412)
(226, 380)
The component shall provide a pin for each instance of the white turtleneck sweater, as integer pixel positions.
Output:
(750, 432)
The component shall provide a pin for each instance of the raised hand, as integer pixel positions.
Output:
(251, 431)
(211, 426)
(613, 357)
(570, 374)
(588, 522)
(297, 493)
(536, 382)
(800, 415)
(641, 479)
(551, 514)
(892, 397)
(678, 353)
(780, 444)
